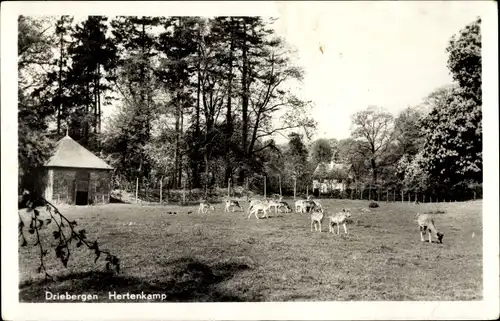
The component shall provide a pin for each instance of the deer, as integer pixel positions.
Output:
(285, 206)
(258, 207)
(339, 218)
(275, 204)
(205, 206)
(316, 219)
(426, 223)
(233, 204)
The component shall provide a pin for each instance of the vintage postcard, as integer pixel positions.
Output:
(291, 160)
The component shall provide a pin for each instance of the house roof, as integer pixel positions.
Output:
(68, 153)
(332, 166)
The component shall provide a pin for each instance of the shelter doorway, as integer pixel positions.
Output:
(82, 198)
(82, 188)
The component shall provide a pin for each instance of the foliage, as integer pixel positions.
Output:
(453, 129)
(373, 205)
(374, 126)
(407, 131)
(464, 61)
(65, 233)
(321, 151)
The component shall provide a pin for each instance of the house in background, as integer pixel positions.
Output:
(73, 175)
(332, 176)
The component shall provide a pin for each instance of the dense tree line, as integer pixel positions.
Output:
(197, 102)
(196, 99)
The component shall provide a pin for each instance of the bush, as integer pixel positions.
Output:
(435, 212)
(373, 205)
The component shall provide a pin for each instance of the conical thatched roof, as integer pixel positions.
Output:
(69, 153)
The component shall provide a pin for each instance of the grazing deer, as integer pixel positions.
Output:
(310, 206)
(426, 223)
(316, 219)
(205, 206)
(255, 201)
(258, 207)
(233, 204)
(339, 218)
(285, 206)
(299, 205)
(275, 204)
(277, 197)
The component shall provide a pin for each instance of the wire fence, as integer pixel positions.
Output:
(159, 192)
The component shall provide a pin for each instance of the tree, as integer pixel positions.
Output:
(464, 61)
(374, 126)
(138, 86)
(351, 152)
(34, 111)
(407, 131)
(296, 165)
(93, 57)
(266, 67)
(321, 152)
(452, 150)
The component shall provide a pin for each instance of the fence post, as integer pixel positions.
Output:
(387, 196)
(136, 189)
(294, 187)
(161, 190)
(265, 179)
(409, 195)
(228, 187)
(402, 196)
(279, 177)
(184, 193)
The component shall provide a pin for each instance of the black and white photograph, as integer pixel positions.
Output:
(250, 160)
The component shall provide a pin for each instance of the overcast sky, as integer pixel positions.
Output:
(390, 54)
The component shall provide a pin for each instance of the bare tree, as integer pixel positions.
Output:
(375, 126)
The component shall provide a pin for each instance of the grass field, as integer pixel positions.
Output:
(223, 256)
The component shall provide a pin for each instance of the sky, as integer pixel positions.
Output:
(389, 54)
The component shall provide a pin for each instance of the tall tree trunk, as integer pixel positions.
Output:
(87, 109)
(94, 121)
(177, 144)
(59, 105)
(99, 116)
(196, 167)
(244, 100)
(374, 169)
(181, 116)
(229, 122)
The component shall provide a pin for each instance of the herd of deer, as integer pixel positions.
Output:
(313, 207)
(317, 214)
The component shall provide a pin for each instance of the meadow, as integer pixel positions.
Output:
(221, 256)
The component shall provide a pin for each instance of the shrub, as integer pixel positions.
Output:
(373, 205)
(435, 212)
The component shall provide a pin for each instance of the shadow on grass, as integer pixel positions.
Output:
(189, 281)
